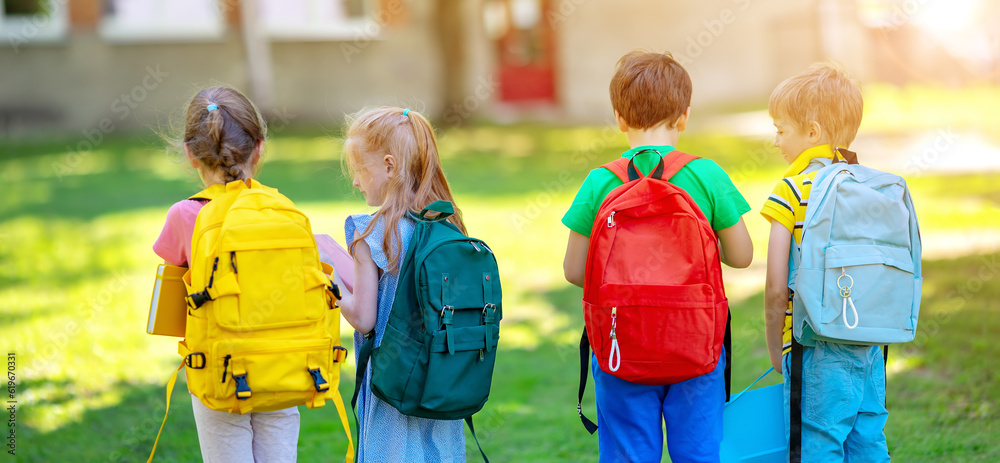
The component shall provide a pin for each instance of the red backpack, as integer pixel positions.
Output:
(653, 301)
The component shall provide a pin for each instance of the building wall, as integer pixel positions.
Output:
(735, 50)
(74, 84)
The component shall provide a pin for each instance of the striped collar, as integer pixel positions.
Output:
(802, 162)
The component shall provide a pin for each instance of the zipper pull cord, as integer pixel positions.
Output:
(615, 356)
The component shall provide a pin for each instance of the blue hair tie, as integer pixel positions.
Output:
(211, 107)
(406, 112)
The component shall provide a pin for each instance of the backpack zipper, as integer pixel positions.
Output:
(474, 246)
(225, 366)
(611, 219)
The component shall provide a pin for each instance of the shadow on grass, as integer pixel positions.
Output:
(123, 432)
(122, 173)
(943, 393)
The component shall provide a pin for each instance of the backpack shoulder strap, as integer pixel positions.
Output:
(209, 193)
(619, 167)
(218, 189)
(673, 162)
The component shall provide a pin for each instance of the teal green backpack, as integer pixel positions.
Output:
(436, 358)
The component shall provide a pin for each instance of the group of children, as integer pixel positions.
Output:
(393, 158)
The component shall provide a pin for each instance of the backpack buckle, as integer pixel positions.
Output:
(318, 381)
(196, 300)
(334, 289)
(339, 354)
(192, 364)
(447, 307)
(243, 391)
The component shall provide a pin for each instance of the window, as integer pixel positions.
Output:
(33, 21)
(296, 20)
(163, 20)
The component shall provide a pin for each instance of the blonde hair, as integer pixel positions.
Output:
(417, 179)
(222, 129)
(823, 93)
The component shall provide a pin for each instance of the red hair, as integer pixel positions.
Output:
(417, 179)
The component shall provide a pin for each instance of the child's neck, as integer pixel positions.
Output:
(656, 136)
(212, 177)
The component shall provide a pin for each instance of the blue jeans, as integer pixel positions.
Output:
(843, 403)
(630, 417)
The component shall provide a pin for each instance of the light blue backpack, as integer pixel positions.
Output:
(857, 277)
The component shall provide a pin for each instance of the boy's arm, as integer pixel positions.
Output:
(575, 262)
(735, 247)
(776, 290)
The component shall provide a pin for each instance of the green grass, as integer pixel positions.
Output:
(75, 237)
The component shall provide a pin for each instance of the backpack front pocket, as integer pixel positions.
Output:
(868, 286)
(268, 300)
(247, 368)
(865, 295)
(460, 368)
(671, 336)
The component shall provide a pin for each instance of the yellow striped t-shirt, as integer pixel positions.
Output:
(787, 206)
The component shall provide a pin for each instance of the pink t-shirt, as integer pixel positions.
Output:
(174, 243)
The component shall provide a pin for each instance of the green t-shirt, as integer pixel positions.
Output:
(702, 179)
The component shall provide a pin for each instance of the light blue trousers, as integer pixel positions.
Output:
(843, 403)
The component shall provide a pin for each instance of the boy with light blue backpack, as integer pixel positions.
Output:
(843, 272)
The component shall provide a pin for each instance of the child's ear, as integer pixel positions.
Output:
(682, 121)
(815, 132)
(256, 154)
(190, 157)
(390, 163)
(622, 125)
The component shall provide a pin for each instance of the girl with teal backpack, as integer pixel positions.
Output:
(426, 298)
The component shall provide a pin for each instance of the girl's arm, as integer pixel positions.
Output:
(735, 247)
(361, 308)
(346, 302)
(776, 290)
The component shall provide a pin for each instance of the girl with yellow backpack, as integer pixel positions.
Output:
(262, 327)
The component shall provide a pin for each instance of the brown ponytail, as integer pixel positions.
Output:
(222, 131)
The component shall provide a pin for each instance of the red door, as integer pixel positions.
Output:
(525, 51)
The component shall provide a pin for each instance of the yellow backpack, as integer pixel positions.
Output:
(263, 326)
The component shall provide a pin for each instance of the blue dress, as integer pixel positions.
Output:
(384, 434)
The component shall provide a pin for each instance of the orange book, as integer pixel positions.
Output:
(167, 308)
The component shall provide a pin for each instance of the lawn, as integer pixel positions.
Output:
(75, 237)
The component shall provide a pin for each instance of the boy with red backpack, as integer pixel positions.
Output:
(647, 233)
